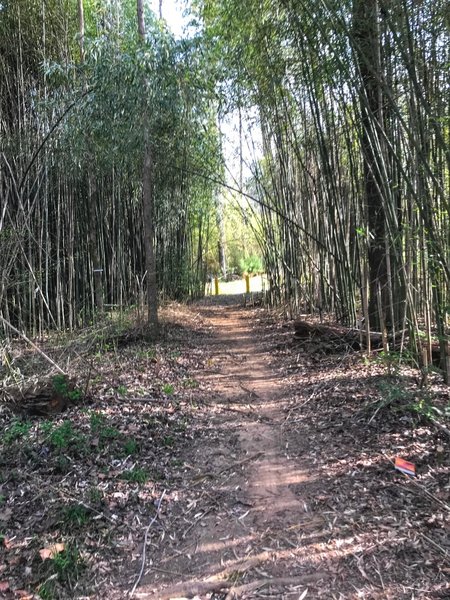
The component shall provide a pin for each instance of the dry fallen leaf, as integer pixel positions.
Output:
(23, 595)
(51, 551)
(6, 514)
(4, 586)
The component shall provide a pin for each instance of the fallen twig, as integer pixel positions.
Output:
(238, 591)
(190, 589)
(215, 583)
(437, 546)
(141, 572)
(32, 344)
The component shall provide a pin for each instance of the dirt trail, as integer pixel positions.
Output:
(286, 489)
(252, 513)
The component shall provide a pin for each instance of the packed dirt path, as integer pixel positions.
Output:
(256, 511)
(287, 489)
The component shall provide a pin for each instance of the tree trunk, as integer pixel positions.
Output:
(81, 29)
(148, 211)
(221, 243)
(367, 42)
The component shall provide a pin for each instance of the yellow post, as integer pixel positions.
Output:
(247, 284)
(216, 285)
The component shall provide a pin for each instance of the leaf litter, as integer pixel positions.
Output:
(114, 491)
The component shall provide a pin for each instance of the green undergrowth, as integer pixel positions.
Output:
(78, 478)
(93, 450)
(398, 396)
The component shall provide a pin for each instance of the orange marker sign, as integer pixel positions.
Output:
(405, 467)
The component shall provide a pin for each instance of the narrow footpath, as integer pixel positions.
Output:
(278, 502)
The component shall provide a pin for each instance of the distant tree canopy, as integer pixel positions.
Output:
(78, 93)
(353, 173)
(350, 182)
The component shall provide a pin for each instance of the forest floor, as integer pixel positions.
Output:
(226, 461)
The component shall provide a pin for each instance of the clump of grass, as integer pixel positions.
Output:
(168, 441)
(95, 496)
(136, 475)
(63, 568)
(64, 436)
(76, 514)
(130, 447)
(168, 389)
(190, 383)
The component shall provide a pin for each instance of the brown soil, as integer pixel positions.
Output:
(263, 510)
(227, 461)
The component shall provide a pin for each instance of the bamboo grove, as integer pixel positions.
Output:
(350, 183)
(352, 188)
(78, 89)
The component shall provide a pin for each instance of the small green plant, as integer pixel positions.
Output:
(68, 563)
(62, 464)
(99, 427)
(47, 427)
(17, 430)
(122, 390)
(47, 590)
(168, 389)
(190, 383)
(168, 441)
(64, 436)
(391, 394)
(150, 354)
(423, 408)
(76, 514)
(97, 422)
(391, 361)
(109, 433)
(95, 496)
(182, 426)
(63, 386)
(130, 446)
(2, 499)
(136, 475)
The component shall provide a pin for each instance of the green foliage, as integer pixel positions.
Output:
(393, 393)
(47, 590)
(168, 389)
(95, 496)
(76, 514)
(122, 390)
(68, 564)
(252, 264)
(136, 475)
(65, 436)
(130, 447)
(424, 406)
(17, 430)
(62, 386)
(168, 441)
(190, 383)
(391, 361)
(100, 427)
(150, 353)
